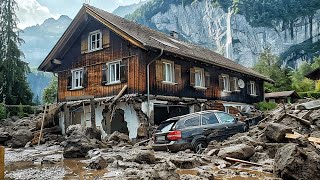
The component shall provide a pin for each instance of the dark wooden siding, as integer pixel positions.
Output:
(119, 49)
(184, 89)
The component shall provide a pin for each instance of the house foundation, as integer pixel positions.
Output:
(128, 114)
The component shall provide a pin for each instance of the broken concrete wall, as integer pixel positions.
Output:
(131, 117)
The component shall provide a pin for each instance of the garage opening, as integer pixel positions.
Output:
(164, 112)
(118, 123)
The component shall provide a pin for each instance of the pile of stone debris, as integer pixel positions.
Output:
(287, 143)
(18, 132)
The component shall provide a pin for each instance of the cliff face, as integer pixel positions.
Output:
(206, 25)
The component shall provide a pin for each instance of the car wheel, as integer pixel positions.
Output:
(199, 146)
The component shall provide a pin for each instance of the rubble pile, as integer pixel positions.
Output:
(286, 143)
(18, 132)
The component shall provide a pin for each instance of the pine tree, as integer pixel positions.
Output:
(14, 88)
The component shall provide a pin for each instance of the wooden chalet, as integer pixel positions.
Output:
(282, 97)
(135, 75)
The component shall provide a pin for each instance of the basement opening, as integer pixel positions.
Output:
(164, 112)
(118, 123)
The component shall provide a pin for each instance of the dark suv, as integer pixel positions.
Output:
(194, 131)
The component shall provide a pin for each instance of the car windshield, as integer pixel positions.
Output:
(166, 126)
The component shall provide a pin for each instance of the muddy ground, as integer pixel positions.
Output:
(45, 162)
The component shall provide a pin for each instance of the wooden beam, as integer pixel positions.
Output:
(242, 161)
(42, 123)
(303, 121)
(314, 139)
(2, 162)
(118, 96)
(78, 98)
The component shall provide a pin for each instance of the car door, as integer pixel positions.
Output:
(230, 125)
(191, 127)
(212, 128)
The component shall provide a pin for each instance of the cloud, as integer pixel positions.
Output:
(30, 12)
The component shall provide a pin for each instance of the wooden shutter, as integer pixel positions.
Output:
(221, 84)
(104, 75)
(124, 70)
(105, 38)
(232, 84)
(85, 78)
(159, 71)
(192, 76)
(208, 79)
(84, 44)
(69, 80)
(177, 73)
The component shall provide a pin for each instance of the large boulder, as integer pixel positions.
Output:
(79, 140)
(118, 137)
(240, 151)
(293, 162)
(277, 132)
(97, 163)
(4, 136)
(145, 157)
(20, 138)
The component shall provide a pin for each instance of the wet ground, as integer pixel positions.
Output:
(47, 163)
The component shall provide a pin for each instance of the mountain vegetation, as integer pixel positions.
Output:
(122, 11)
(14, 88)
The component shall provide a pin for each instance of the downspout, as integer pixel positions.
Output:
(148, 80)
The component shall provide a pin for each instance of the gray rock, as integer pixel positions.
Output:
(145, 157)
(4, 136)
(118, 137)
(240, 151)
(97, 163)
(20, 138)
(277, 132)
(293, 162)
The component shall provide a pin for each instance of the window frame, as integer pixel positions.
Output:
(90, 41)
(109, 64)
(253, 88)
(236, 85)
(202, 78)
(226, 84)
(73, 80)
(165, 72)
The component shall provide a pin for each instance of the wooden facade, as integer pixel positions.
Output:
(134, 63)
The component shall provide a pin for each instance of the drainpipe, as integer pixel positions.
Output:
(148, 80)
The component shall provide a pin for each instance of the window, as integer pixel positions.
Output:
(77, 78)
(253, 88)
(225, 118)
(168, 72)
(194, 121)
(95, 41)
(199, 78)
(226, 83)
(235, 84)
(209, 118)
(114, 72)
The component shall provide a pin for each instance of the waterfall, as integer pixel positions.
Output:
(229, 49)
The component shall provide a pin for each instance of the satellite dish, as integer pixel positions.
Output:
(241, 83)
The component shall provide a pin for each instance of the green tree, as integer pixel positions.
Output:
(14, 88)
(299, 82)
(270, 66)
(50, 93)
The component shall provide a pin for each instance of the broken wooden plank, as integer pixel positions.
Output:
(118, 96)
(293, 136)
(42, 123)
(242, 161)
(314, 139)
(303, 121)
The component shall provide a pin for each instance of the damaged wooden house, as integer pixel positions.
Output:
(120, 75)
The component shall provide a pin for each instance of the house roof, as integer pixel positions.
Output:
(281, 94)
(147, 38)
(314, 75)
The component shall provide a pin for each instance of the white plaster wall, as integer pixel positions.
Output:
(131, 117)
(99, 119)
(144, 106)
(61, 122)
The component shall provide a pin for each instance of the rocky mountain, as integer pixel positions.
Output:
(122, 11)
(39, 40)
(240, 31)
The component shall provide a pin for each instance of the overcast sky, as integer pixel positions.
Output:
(32, 12)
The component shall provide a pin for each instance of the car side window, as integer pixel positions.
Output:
(193, 121)
(224, 117)
(209, 118)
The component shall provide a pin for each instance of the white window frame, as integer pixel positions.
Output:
(168, 78)
(253, 90)
(96, 48)
(201, 84)
(74, 78)
(115, 80)
(226, 82)
(236, 85)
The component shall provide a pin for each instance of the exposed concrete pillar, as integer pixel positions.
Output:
(66, 117)
(93, 113)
